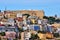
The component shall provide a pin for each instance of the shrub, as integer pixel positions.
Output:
(34, 36)
(2, 33)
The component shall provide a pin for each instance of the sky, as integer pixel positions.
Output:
(50, 7)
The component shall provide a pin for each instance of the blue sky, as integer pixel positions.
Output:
(50, 7)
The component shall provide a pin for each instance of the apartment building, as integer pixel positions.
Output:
(14, 13)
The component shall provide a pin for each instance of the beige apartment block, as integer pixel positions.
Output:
(38, 13)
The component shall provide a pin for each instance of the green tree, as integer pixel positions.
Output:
(20, 29)
(2, 33)
(26, 15)
(45, 17)
(51, 20)
(34, 36)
